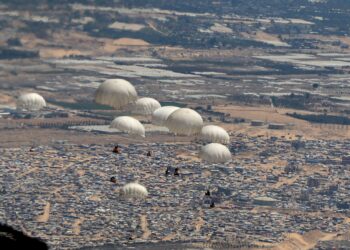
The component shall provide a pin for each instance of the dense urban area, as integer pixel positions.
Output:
(274, 74)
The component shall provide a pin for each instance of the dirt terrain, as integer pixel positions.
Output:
(295, 126)
(303, 242)
(39, 136)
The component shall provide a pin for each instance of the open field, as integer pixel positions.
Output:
(28, 137)
(278, 115)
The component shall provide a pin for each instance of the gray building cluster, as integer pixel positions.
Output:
(63, 193)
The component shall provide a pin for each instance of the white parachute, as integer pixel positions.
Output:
(212, 133)
(161, 114)
(116, 93)
(31, 102)
(145, 106)
(184, 121)
(133, 190)
(215, 153)
(128, 125)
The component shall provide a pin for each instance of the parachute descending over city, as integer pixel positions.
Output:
(184, 121)
(146, 106)
(215, 153)
(116, 93)
(31, 102)
(128, 125)
(133, 190)
(213, 133)
(161, 114)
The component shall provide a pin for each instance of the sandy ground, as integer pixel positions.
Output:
(30, 41)
(303, 242)
(285, 181)
(76, 226)
(38, 136)
(80, 172)
(6, 99)
(57, 53)
(111, 46)
(306, 241)
(268, 114)
(94, 198)
(78, 43)
(169, 237)
(144, 227)
(46, 213)
(264, 37)
(206, 173)
(130, 42)
(277, 115)
(14, 123)
(199, 222)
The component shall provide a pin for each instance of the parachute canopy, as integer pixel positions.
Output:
(145, 106)
(212, 133)
(128, 125)
(31, 102)
(160, 115)
(215, 153)
(116, 93)
(184, 121)
(133, 190)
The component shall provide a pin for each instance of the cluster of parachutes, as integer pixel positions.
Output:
(119, 94)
